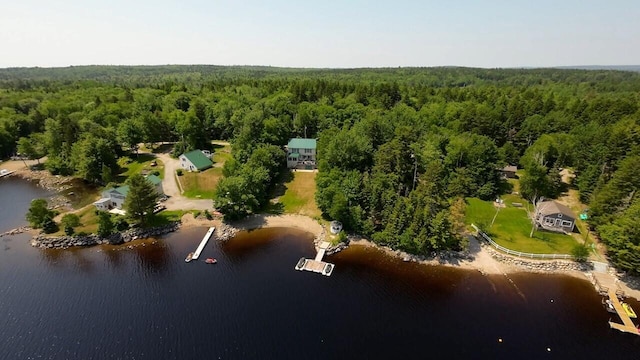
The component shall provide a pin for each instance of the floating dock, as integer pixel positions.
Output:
(203, 243)
(317, 265)
(627, 325)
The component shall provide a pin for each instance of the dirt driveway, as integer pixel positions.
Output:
(170, 186)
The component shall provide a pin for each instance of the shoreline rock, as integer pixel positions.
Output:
(539, 266)
(224, 232)
(64, 242)
(45, 180)
(16, 231)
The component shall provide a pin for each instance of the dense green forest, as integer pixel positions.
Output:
(398, 149)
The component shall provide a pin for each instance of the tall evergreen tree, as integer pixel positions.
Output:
(141, 199)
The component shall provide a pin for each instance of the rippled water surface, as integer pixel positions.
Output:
(145, 302)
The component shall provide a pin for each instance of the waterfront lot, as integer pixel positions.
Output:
(299, 193)
(200, 185)
(512, 227)
(141, 164)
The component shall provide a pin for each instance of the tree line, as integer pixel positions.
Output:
(398, 149)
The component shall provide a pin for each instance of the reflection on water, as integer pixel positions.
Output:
(15, 196)
(142, 301)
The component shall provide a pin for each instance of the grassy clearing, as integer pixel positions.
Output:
(512, 227)
(201, 185)
(88, 221)
(299, 196)
(221, 154)
(139, 165)
(165, 217)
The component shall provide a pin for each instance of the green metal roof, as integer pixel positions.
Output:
(298, 143)
(124, 190)
(154, 179)
(294, 155)
(198, 159)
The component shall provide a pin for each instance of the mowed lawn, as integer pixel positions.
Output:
(88, 221)
(200, 185)
(299, 196)
(512, 227)
(138, 165)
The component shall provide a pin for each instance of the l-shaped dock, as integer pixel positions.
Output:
(627, 325)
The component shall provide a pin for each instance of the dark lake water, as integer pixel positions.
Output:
(145, 302)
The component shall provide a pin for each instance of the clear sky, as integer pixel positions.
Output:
(325, 33)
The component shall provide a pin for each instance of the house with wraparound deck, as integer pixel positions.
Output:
(301, 153)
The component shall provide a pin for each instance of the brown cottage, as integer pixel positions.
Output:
(553, 216)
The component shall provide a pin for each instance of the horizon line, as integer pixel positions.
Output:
(523, 67)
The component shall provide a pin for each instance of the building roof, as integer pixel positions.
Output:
(124, 190)
(154, 179)
(198, 159)
(554, 207)
(294, 155)
(102, 201)
(510, 168)
(298, 143)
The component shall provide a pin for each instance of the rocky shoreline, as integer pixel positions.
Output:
(224, 232)
(64, 242)
(16, 231)
(539, 266)
(453, 257)
(45, 180)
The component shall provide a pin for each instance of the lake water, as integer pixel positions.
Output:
(145, 302)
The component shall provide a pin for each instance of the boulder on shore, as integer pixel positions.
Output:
(64, 242)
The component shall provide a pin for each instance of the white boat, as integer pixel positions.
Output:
(608, 305)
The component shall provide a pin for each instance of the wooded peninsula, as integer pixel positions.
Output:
(401, 152)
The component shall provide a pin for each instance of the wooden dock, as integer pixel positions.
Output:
(203, 243)
(627, 325)
(317, 265)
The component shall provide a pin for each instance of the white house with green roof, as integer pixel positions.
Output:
(195, 160)
(301, 153)
(113, 198)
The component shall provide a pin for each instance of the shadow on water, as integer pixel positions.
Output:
(249, 243)
(154, 256)
(78, 259)
(144, 302)
(151, 255)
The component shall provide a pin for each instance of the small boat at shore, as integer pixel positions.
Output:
(629, 310)
(608, 305)
(211, 261)
(189, 257)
